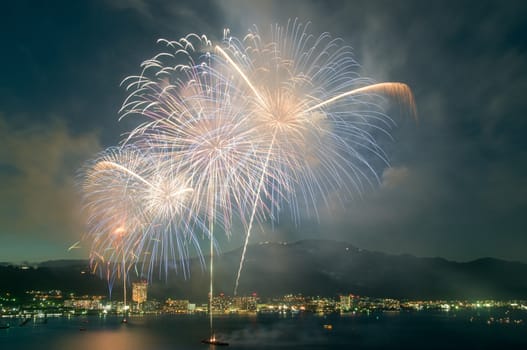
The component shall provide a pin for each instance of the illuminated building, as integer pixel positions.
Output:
(221, 303)
(176, 306)
(84, 303)
(245, 303)
(345, 303)
(139, 292)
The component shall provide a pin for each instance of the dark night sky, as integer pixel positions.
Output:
(457, 186)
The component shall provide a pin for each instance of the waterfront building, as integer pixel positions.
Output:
(139, 293)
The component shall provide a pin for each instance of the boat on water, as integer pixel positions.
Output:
(25, 321)
(213, 341)
(4, 326)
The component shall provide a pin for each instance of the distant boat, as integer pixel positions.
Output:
(4, 326)
(213, 341)
(24, 322)
(328, 326)
(124, 320)
(82, 329)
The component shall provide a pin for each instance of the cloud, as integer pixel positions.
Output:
(240, 15)
(173, 17)
(140, 6)
(38, 164)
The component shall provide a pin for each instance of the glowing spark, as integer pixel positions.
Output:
(240, 72)
(392, 89)
(75, 245)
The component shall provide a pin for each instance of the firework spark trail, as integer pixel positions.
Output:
(251, 219)
(398, 90)
(211, 318)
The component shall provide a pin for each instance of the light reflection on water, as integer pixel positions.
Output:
(378, 331)
(104, 339)
(94, 333)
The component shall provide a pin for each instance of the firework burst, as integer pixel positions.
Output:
(316, 118)
(138, 214)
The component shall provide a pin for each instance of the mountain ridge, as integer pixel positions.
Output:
(310, 267)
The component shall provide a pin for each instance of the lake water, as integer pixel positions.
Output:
(397, 330)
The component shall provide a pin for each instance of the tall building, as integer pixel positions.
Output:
(345, 303)
(221, 303)
(139, 292)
